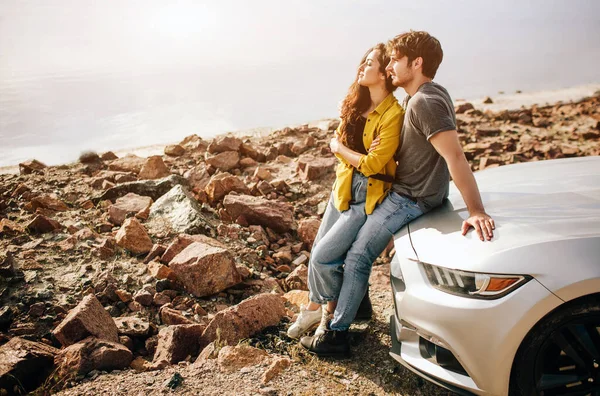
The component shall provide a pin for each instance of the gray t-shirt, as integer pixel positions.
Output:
(422, 174)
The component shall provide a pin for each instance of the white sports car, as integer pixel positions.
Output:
(519, 315)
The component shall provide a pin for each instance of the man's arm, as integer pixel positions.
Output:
(446, 143)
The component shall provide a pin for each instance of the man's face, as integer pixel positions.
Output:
(399, 70)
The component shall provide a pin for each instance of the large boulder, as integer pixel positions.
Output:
(130, 204)
(177, 342)
(245, 319)
(149, 188)
(194, 143)
(88, 318)
(257, 210)
(25, 364)
(177, 212)
(154, 168)
(133, 237)
(204, 269)
(222, 184)
(92, 354)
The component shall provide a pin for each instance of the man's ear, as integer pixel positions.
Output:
(417, 63)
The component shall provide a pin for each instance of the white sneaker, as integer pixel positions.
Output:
(306, 321)
(325, 318)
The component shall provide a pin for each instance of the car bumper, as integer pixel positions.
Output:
(462, 344)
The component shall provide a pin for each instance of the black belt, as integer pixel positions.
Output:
(379, 176)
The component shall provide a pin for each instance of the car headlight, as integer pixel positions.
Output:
(473, 284)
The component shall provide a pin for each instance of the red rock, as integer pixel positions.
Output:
(8, 227)
(25, 364)
(124, 295)
(297, 297)
(161, 299)
(154, 168)
(262, 174)
(224, 161)
(132, 326)
(106, 248)
(204, 269)
(170, 316)
(194, 143)
(259, 211)
(42, 224)
(175, 343)
(88, 318)
(124, 178)
(247, 162)
(248, 150)
(133, 237)
(222, 184)
(140, 364)
(108, 156)
(313, 168)
(233, 358)
(245, 319)
(161, 271)
(143, 297)
(68, 244)
(182, 241)
(174, 150)
(156, 251)
(275, 368)
(49, 201)
(92, 354)
(31, 166)
(298, 279)
(224, 143)
(308, 229)
(129, 163)
(130, 204)
(198, 177)
(127, 342)
(85, 234)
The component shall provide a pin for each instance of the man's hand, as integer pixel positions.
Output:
(375, 143)
(483, 224)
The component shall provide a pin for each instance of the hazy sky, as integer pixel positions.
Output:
(44, 36)
(129, 73)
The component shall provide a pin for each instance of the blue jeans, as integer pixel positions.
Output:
(374, 235)
(336, 234)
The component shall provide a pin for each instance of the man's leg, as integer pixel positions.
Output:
(393, 213)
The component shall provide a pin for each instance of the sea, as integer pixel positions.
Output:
(80, 75)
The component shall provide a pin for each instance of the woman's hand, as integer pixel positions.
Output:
(334, 145)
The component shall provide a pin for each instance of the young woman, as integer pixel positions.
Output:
(369, 113)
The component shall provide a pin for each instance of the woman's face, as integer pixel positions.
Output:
(368, 72)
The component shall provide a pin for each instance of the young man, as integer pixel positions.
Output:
(429, 154)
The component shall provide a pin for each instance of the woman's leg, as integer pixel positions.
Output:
(325, 270)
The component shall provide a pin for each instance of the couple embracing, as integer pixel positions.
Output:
(395, 164)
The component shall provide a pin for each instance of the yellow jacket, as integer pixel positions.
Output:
(385, 121)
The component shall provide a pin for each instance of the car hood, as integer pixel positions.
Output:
(532, 203)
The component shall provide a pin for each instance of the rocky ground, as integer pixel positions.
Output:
(180, 273)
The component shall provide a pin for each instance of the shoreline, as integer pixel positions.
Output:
(501, 101)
